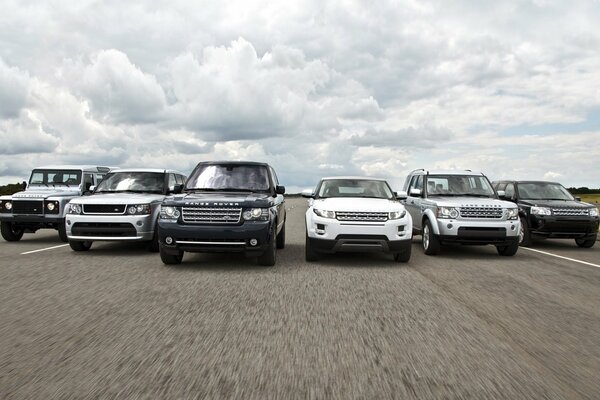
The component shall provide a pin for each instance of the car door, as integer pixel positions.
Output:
(413, 202)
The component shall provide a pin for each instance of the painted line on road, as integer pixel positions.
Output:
(564, 258)
(47, 248)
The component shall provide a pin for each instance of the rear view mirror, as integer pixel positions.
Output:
(280, 189)
(401, 195)
(415, 192)
(308, 193)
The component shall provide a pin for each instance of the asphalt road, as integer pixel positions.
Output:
(468, 324)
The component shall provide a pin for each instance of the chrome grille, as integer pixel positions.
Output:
(208, 215)
(357, 216)
(568, 212)
(35, 207)
(481, 212)
(104, 208)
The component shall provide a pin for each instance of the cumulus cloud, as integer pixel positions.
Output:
(13, 90)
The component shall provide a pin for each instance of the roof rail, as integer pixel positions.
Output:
(418, 169)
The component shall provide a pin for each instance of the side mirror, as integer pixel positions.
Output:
(577, 198)
(308, 193)
(279, 189)
(176, 189)
(91, 188)
(501, 194)
(401, 195)
(415, 192)
(24, 185)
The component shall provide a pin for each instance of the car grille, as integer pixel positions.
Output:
(568, 212)
(104, 208)
(35, 207)
(356, 216)
(481, 212)
(206, 215)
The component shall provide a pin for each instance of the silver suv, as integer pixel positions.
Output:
(460, 207)
(124, 207)
(43, 203)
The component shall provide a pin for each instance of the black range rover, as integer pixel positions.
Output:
(547, 209)
(225, 206)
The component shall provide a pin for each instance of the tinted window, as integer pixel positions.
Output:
(55, 177)
(457, 185)
(229, 177)
(172, 180)
(543, 191)
(149, 182)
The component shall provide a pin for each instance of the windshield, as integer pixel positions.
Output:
(459, 185)
(55, 177)
(229, 177)
(139, 182)
(355, 188)
(543, 191)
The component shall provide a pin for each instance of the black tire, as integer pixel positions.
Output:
(431, 243)
(153, 246)
(586, 243)
(403, 256)
(509, 250)
(269, 256)
(62, 232)
(170, 259)
(524, 234)
(309, 253)
(10, 231)
(77, 245)
(281, 237)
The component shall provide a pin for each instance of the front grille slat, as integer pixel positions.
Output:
(104, 208)
(570, 212)
(482, 212)
(361, 216)
(211, 215)
(32, 207)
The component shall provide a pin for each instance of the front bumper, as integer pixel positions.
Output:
(499, 233)
(214, 238)
(327, 229)
(563, 227)
(39, 220)
(110, 228)
(360, 243)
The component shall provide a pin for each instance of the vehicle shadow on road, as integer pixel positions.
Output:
(111, 249)
(467, 252)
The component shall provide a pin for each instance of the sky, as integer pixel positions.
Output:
(315, 88)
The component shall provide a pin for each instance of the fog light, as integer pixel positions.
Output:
(400, 228)
(139, 223)
(169, 240)
(449, 226)
(253, 242)
(68, 222)
(512, 227)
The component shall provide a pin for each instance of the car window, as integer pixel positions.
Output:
(229, 177)
(355, 188)
(416, 183)
(88, 181)
(172, 180)
(459, 185)
(509, 190)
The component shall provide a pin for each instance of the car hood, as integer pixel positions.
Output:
(357, 204)
(556, 203)
(119, 198)
(44, 193)
(217, 199)
(450, 201)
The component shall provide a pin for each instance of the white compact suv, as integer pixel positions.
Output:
(124, 207)
(356, 214)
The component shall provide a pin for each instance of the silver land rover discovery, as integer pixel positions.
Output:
(460, 207)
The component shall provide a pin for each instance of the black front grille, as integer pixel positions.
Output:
(103, 229)
(35, 207)
(103, 208)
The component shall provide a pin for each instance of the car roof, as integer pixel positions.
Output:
(233, 163)
(93, 168)
(367, 178)
(156, 170)
(447, 172)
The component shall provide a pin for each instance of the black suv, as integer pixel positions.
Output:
(225, 206)
(548, 210)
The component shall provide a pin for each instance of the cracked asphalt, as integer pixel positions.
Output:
(468, 324)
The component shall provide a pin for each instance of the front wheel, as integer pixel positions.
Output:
(10, 231)
(170, 259)
(431, 243)
(270, 255)
(77, 245)
(152, 245)
(509, 250)
(586, 243)
(524, 234)
(309, 253)
(281, 237)
(404, 255)
(62, 232)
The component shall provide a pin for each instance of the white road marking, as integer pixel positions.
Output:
(564, 258)
(47, 248)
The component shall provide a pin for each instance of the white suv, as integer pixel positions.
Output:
(356, 214)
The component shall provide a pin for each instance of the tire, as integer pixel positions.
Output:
(524, 234)
(62, 232)
(431, 243)
(77, 245)
(585, 243)
(10, 232)
(269, 257)
(403, 256)
(309, 253)
(281, 237)
(153, 246)
(170, 259)
(509, 250)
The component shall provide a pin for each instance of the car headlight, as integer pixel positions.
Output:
(397, 214)
(168, 212)
(447, 212)
(5, 206)
(256, 214)
(53, 206)
(324, 213)
(74, 208)
(512, 213)
(138, 209)
(541, 210)
(593, 212)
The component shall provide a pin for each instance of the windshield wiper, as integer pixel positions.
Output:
(473, 195)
